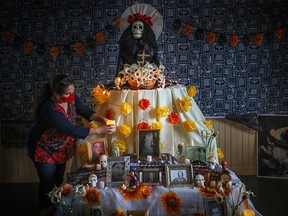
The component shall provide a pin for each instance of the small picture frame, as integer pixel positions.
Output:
(138, 213)
(117, 171)
(214, 208)
(150, 176)
(196, 153)
(179, 175)
(148, 143)
(96, 148)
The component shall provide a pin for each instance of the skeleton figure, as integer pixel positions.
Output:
(137, 29)
(211, 162)
(103, 161)
(93, 180)
(200, 180)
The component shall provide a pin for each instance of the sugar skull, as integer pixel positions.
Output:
(100, 37)
(54, 51)
(78, 47)
(6, 36)
(187, 29)
(137, 29)
(103, 161)
(258, 39)
(280, 33)
(93, 180)
(210, 37)
(211, 162)
(234, 40)
(200, 180)
(28, 46)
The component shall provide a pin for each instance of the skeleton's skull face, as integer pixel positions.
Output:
(200, 180)
(93, 180)
(137, 29)
(211, 162)
(103, 161)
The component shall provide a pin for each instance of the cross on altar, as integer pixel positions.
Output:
(143, 56)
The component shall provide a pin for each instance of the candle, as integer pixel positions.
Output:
(102, 184)
(98, 166)
(249, 212)
(149, 158)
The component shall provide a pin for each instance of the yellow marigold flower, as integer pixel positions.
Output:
(122, 145)
(220, 153)
(185, 104)
(125, 130)
(189, 125)
(208, 124)
(156, 125)
(192, 91)
(161, 111)
(125, 108)
(99, 96)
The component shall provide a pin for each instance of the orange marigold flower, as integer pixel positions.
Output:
(136, 193)
(67, 188)
(144, 104)
(173, 118)
(171, 202)
(119, 212)
(189, 125)
(92, 197)
(143, 125)
(109, 114)
(117, 21)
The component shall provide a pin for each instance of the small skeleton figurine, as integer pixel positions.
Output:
(211, 162)
(93, 180)
(200, 180)
(103, 161)
(133, 181)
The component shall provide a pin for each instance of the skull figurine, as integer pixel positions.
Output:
(103, 161)
(200, 180)
(137, 29)
(93, 180)
(211, 162)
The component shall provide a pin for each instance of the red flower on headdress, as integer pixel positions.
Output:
(144, 104)
(138, 16)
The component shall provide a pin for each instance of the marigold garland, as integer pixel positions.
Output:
(119, 212)
(208, 124)
(143, 125)
(122, 145)
(173, 118)
(185, 104)
(99, 96)
(220, 153)
(125, 130)
(161, 111)
(92, 197)
(125, 108)
(210, 192)
(189, 125)
(141, 192)
(156, 125)
(192, 91)
(67, 188)
(144, 104)
(171, 202)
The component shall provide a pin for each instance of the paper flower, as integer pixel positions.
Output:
(192, 91)
(143, 125)
(136, 193)
(185, 104)
(67, 188)
(144, 104)
(109, 114)
(125, 130)
(122, 145)
(157, 125)
(189, 125)
(99, 96)
(220, 153)
(208, 124)
(161, 111)
(125, 108)
(92, 197)
(119, 212)
(173, 118)
(171, 202)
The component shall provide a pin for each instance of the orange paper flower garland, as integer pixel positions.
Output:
(141, 192)
(173, 118)
(144, 104)
(92, 197)
(171, 202)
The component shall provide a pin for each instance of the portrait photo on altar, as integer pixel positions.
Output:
(96, 148)
(196, 153)
(151, 176)
(148, 143)
(179, 175)
(213, 208)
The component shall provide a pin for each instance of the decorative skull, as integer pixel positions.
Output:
(54, 51)
(137, 29)
(103, 161)
(93, 180)
(200, 180)
(234, 40)
(211, 162)
(258, 39)
(28, 46)
(280, 33)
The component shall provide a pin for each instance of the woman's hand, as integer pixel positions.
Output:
(110, 129)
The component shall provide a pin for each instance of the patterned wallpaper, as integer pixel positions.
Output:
(230, 80)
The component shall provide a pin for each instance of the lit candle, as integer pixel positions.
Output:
(98, 166)
(102, 184)
(249, 212)
(149, 158)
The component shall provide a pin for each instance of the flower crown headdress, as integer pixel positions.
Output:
(142, 17)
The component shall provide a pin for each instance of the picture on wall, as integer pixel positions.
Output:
(273, 146)
(148, 143)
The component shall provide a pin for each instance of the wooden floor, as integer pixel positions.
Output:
(270, 200)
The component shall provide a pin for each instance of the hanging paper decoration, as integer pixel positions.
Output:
(176, 24)
(245, 40)
(269, 36)
(187, 29)
(117, 21)
(28, 46)
(258, 39)
(40, 49)
(280, 34)
(222, 39)
(78, 47)
(6, 36)
(54, 51)
(233, 40)
(210, 37)
(100, 37)
(90, 42)
(199, 34)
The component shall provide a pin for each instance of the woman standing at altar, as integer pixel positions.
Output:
(52, 138)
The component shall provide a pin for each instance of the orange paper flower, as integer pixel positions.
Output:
(117, 21)
(99, 96)
(192, 91)
(143, 125)
(92, 197)
(67, 188)
(171, 202)
(144, 104)
(173, 118)
(119, 212)
(141, 192)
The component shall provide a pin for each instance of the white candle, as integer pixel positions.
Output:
(102, 184)
(149, 158)
(98, 166)
(187, 161)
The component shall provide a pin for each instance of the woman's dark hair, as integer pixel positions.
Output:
(58, 85)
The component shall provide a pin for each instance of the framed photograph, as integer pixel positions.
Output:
(96, 148)
(272, 146)
(179, 175)
(213, 208)
(196, 153)
(151, 176)
(138, 213)
(117, 171)
(148, 143)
